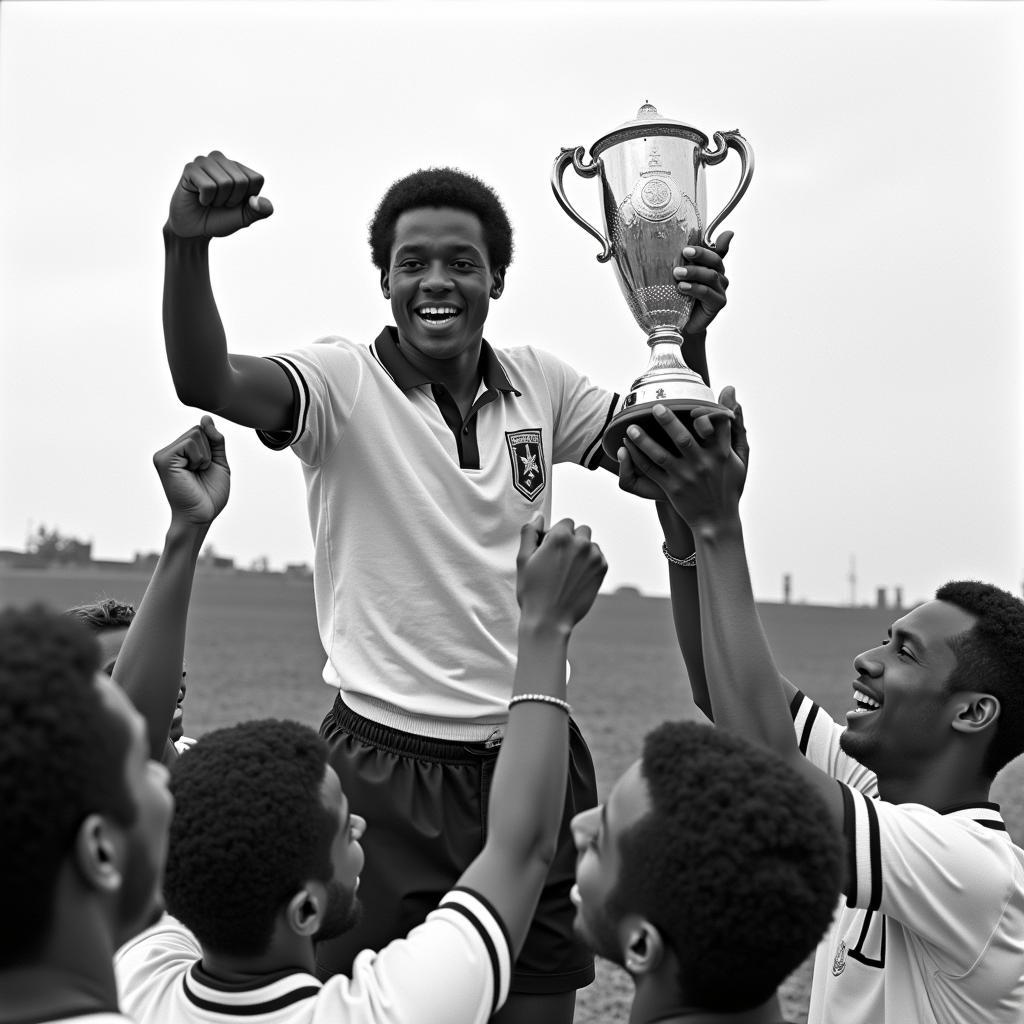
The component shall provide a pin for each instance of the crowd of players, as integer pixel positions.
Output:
(437, 853)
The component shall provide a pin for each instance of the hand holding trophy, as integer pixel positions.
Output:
(654, 203)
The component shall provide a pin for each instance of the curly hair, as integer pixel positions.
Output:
(249, 829)
(736, 864)
(990, 658)
(106, 613)
(441, 187)
(62, 758)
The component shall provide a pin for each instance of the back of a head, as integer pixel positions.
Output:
(104, 613)
(990, 659)
(439, 187)
(737, 864)
(62, 758)
(249, 829)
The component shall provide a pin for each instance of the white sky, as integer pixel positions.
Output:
(874, 324)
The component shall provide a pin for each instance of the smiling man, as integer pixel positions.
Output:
(932, 927)
(424, 453)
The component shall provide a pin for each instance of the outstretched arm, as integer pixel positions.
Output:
(215, 197)
(702, 479)
(196, 479)
(559, 575)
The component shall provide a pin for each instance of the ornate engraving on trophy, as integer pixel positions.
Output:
(651, 171)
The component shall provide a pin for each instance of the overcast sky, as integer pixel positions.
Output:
(874, 321)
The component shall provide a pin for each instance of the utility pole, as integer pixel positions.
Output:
(852, 580)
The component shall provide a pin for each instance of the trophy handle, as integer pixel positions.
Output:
(724, 141)
(575, 157)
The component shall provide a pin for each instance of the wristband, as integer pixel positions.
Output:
(541, 698)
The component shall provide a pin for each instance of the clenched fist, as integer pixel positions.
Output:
(216, 197)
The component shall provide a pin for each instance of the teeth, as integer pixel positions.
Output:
(438, 311)
(864, 701)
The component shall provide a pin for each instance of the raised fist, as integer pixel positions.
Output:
(216, 197)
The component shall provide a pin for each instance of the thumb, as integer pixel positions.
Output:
(740, 445)
(722, 243)
(218, 451)
(257, 208)
(530, 537)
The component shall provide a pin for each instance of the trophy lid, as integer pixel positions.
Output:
(648, 122)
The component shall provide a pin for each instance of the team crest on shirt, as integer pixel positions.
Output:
(526, 451)
(839, 962)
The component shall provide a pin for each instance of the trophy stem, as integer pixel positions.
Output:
(667, 381)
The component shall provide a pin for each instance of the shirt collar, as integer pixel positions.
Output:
(407, 376)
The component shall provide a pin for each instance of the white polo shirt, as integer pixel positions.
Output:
(455, 968)
(416, 516)
(932, 927)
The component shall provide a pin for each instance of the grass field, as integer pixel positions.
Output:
(253, 652)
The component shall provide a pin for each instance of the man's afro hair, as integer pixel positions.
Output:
(437, 187)
(990, 659)
(62, 758)
(737, 864)
(249, 829)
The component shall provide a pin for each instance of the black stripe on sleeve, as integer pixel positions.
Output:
(301, 427)
(277, 440)
(794, 704)
(805, 736)
(850, 838)
(875, 846)
(997, 825)
(591, 457)
(488, 945)
(253, 1009)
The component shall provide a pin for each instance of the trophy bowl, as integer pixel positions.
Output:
(654, 204)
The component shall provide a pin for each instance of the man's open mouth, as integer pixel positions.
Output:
(438, 315)
(864, 702)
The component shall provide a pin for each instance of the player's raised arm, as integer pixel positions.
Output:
(196, 480)
(215, 197)
(702, 479)
(560, 573)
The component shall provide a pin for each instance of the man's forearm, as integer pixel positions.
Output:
(746, 692)
(193, 332)
(528, 792)
(148, 666)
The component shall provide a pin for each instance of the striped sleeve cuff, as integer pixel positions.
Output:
(279, 439)
(863, 850)
(594, 453)
(491, 929)
(804, 712)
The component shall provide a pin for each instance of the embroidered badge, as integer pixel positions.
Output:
(526, 451)
(839, 963)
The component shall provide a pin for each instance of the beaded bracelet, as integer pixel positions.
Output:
(689, 562)
(541, 698)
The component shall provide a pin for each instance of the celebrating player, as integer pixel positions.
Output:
(84, 815)
(932, 929)
(424, 452)
(265, 853)
(709, 874)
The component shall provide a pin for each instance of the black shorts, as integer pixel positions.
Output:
(425, 803)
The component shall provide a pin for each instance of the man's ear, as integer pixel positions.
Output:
(497, 282)
(975, 711)
(98, 854)
(642, 946)
(305, 910)
(385, 284)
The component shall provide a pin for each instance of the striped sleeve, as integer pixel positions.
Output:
(455, 967)
(863, 850)
(280, 439)
(818, 737)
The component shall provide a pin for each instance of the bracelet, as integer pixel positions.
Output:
(541, 698)
(689, 562)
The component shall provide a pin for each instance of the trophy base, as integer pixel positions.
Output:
(642, 415)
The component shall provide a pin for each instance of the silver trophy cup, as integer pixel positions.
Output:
(654, 203)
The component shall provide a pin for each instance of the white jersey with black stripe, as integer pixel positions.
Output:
(931, 930)
(454, 968)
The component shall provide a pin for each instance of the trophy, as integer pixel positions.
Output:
(654, 202)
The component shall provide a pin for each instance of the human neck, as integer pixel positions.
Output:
(938, 785)
(460, 375)
(294, 954)
(658, 1007)
(47, 991)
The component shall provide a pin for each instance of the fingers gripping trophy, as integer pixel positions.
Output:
(654, 203)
